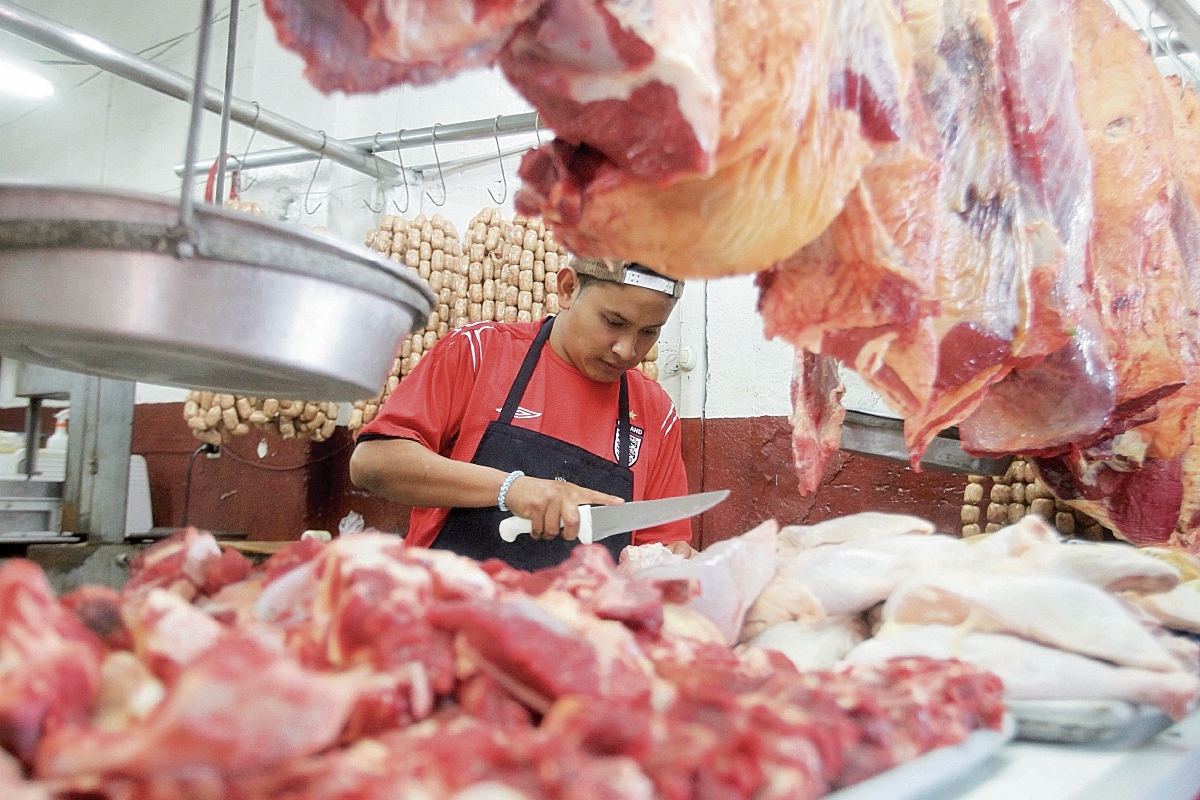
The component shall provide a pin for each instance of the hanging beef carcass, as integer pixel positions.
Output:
(368, 45)
(632, 83)
(805, 87)
(701, 138)
(1145, 245)
(955, 259)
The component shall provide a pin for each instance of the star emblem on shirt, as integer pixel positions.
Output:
(632, 416)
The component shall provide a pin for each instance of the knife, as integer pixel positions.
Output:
(600, 522)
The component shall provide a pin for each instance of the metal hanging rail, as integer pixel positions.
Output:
(469, 131)
(90, 50)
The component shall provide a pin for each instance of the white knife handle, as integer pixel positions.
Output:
(512, 527)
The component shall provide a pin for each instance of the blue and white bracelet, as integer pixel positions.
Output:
(504, 487)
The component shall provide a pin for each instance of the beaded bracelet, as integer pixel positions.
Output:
(504, 487)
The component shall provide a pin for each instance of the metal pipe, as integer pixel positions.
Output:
(90, 50)
(226, 98)
(187, 210)
(33, 435)
(472, 130)
(460, 164)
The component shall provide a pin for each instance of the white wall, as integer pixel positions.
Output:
(107, 131)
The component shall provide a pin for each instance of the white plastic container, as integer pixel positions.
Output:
(138, 519)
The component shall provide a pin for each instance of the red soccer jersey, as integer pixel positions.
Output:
(460, 386)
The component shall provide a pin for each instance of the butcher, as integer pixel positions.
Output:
(534, 419)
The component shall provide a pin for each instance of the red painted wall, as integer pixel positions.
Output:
(302, 485)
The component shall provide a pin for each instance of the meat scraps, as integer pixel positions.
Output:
(389, 671)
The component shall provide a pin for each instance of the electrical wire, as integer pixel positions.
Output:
(289, 468)
(187, 480)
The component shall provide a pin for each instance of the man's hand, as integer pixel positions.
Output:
(552, 506)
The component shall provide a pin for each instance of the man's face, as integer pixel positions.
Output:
(608, 328)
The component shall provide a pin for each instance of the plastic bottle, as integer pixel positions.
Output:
(57, 443)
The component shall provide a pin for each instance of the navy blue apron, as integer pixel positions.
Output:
(475, 532)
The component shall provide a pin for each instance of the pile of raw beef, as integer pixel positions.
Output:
(987, 208)
(363, 669)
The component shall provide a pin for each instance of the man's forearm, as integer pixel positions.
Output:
(407, 472)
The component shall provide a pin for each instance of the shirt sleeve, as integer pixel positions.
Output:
(429, 404)
(667, 478)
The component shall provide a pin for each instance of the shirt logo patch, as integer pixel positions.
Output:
(523, 413)
(635, 444)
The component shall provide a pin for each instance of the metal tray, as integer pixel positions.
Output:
(92, 284)
(1110, 722)
(929, 772)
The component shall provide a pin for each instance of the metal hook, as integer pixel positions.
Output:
(438, 160)
(253, 130)
(500, 160)
(400, 154)
(378, 180)
(402, 176)
(320, 157)
(537, 126)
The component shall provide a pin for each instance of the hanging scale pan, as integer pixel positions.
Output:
(90, 281)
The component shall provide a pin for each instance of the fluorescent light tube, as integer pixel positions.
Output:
(22, 82)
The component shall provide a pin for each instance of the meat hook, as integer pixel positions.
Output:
(378, 179)
(403, 175)
(242, 162)
(438, 160)
(537, 126)
(500, 161)
(320, 157)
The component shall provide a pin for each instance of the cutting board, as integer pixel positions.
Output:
(262, 548)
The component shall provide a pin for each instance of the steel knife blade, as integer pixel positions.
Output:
(600, 522)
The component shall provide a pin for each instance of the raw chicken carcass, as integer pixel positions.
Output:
(865, 525)
(1112, 567)
(805, 87)
(782, 601)
(1032, 671)
(369, 45)
(1057, 612)
(1178, 609)
(841, 580)
(1014, 540)
(731, 574)
(810, 647)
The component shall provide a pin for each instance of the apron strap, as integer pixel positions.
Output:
(623, 422)
(517, 391)
(526, 372)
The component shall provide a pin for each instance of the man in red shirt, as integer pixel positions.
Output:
(493, 422)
